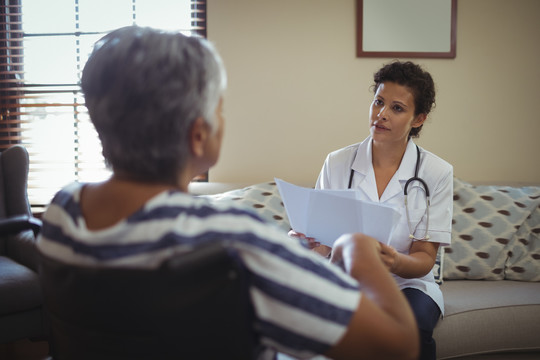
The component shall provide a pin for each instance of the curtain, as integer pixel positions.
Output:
(43, 48)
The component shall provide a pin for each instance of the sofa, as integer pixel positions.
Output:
(489, 275)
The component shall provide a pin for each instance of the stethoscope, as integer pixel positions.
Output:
(405, 191)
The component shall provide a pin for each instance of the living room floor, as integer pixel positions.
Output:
(24, 350)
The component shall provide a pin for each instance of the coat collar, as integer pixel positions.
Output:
(363, 167)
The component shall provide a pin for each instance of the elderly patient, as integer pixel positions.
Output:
(156, 101)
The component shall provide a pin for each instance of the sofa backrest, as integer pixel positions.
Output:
(495, 229)
(495, 233)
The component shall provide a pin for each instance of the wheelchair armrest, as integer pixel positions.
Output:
(16, 224)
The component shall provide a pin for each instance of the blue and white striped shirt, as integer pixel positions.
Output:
(302, 303)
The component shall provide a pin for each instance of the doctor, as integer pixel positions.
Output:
(380, 167)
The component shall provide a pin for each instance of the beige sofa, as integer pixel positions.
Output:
(490, 274)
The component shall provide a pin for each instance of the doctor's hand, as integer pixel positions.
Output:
(312, 244)
(309, 240)
(390, 257)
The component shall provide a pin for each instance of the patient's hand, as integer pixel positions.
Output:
(389, 256)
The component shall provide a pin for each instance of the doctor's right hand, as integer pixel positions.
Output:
(312, 244)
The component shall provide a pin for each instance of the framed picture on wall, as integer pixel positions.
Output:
(406, 29)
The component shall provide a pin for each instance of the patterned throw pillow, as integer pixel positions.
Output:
(524, 258)
(263, 199)
(486, 219)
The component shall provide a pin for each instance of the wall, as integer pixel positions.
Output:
(297, 91)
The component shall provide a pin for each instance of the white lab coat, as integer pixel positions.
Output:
(438, 175)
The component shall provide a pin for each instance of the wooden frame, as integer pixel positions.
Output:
(445, 47)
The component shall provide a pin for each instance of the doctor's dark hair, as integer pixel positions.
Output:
(144, 88)
(415, 78)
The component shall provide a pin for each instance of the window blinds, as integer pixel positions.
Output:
(43, 49)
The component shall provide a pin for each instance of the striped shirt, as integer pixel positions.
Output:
(302, 303)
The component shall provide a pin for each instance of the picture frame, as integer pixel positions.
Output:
(406, 28)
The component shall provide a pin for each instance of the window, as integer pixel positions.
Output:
(43, 49)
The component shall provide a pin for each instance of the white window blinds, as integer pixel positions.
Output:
(43, 48)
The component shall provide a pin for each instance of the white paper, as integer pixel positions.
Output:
(327, 214)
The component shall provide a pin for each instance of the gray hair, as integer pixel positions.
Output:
(144, 88)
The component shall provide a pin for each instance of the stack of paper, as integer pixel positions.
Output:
(327, 214)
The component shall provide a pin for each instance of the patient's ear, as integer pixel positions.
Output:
(198, 136)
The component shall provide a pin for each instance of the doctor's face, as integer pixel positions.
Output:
(391, 114)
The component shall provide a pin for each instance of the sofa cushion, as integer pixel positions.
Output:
(523, 261)
(485, 221)
(263, 199)
(483, 317)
